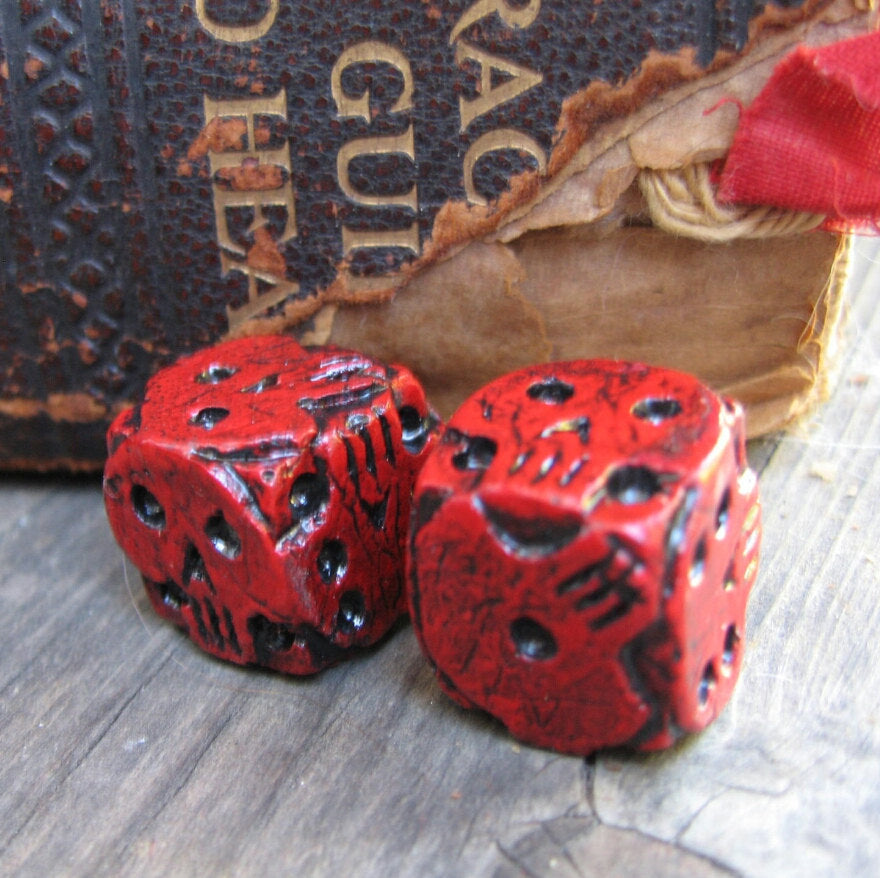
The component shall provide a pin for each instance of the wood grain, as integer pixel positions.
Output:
(127, 751)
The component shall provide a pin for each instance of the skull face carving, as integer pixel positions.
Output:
(583, 543)
(263, 491)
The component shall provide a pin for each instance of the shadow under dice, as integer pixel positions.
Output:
(584, 539)
(263, 491)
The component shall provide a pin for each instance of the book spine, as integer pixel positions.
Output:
(173, 171)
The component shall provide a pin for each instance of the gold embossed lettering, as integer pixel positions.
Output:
(224, 198)
(240, 33)
(279, 288)
(250, 157)
(358, 239)
(501, 138)
(513, 16)
(387, 143)
(519, 79)
(370, 51)
(361, 107)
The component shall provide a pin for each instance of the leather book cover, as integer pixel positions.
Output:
(456, 185)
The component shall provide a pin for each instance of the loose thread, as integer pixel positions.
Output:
(131, 595)
(683, 202)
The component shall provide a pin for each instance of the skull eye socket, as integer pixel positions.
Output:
(698, 565)
(147, 508)
(657, 409)
(633, 484)
(731, 642)
(707, 684)
(332, 561)
(532, 640)
(215, 374)
(352, 615)
(722, 516)
(478, 453)
(413, 429)
(551, 391)
(171, 595)
(270, 638)
(729, 583)
(208, 418)
(309, 492)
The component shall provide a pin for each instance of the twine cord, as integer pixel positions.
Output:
(684, 202)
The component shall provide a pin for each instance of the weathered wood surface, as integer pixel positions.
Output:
(126, 751)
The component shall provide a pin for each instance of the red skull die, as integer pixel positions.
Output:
(583, 542)
(263, 491)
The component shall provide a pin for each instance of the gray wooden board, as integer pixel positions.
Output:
(127, 751)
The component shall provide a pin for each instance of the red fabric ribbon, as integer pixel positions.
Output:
(811, 140)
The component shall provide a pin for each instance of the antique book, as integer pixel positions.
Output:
(463, 186)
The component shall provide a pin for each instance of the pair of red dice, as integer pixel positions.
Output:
(575, 547)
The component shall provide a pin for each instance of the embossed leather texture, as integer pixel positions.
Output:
(171, 172)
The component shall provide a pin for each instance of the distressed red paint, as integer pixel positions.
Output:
(263, 491)
(583, 543)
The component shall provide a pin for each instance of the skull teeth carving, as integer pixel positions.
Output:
(263, 491)
(584, 542)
